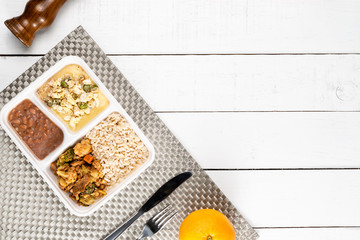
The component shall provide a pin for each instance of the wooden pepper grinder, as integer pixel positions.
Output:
(38, 14)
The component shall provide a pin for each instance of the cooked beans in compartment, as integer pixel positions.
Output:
(40, 134)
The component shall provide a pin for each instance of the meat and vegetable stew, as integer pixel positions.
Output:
(39, 133)
(80, 174)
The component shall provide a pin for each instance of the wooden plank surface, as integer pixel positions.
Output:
(294, 198)
(203, 26)
(240, 115)
(261, 139)
(309, 234)
(234, 83)
(269, 140)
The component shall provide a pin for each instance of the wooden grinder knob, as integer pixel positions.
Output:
(38, 14)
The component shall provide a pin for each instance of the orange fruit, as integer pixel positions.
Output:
(206, 224)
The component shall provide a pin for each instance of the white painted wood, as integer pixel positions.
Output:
(294, 198)
(202, 26)
(13, 67)
(246, 83)
(234, 83)
(309, 234)
(261, 140)
(269, 140)
(267, 198)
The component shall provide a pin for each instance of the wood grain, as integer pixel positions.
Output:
(251, 89)
(234, 83)
(37, 15)
(294, 198)
(262, 140)
(269, 140)
(309, 234)
(203, 26)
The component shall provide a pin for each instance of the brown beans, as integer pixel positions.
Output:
(31, 122)
(40, 134)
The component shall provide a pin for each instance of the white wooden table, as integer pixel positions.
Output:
(264, 94)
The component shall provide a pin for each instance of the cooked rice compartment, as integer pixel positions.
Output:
(119, 148)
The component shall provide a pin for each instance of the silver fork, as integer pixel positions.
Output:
(157, 222)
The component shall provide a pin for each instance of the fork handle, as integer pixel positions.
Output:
(141, 237)
(123, 227)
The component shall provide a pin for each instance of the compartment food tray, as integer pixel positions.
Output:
(70, 137)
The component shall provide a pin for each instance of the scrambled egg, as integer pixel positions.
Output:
(72, 96)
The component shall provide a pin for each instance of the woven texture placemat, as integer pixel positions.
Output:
(30, 210)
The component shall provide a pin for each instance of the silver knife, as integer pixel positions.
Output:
(163, 192)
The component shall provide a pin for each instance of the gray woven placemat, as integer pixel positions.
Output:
(30, 210)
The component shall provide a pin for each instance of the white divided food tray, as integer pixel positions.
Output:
(70, 137)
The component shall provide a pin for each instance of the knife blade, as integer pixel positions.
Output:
(163, 192)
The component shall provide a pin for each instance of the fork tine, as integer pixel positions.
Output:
(159, 214)
(167, 219)
(163, 215)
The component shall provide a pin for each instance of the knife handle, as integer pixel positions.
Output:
(123, 227)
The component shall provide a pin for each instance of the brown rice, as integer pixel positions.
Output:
(118, 147)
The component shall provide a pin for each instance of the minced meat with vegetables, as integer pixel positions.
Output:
(80, 174)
